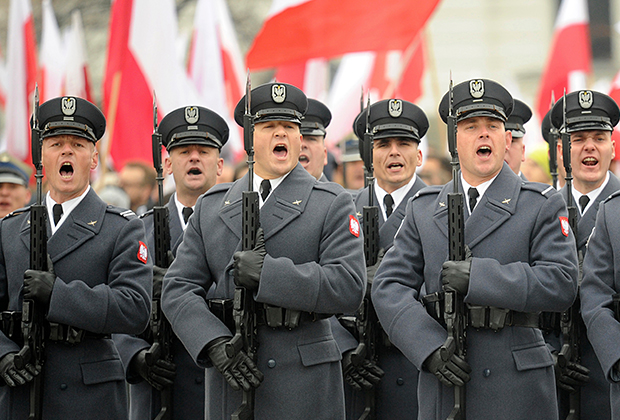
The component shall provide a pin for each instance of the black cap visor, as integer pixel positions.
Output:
(480, 110)
(395, 130)
(59, 128)
(187, 138)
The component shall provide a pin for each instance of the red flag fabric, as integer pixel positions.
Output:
(327, 28)
(570, 57)
(614, 92)
(21, 68)
(127, 98)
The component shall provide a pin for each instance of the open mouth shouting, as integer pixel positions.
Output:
(303, 159)
(589, 161)
(194, 171)
(280, 151)
(395, 166)
(484, 151)
(66, 170)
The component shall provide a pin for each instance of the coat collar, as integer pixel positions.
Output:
(496, 205)
(82, 223)
(285, 203)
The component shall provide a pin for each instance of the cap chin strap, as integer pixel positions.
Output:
(57, 128)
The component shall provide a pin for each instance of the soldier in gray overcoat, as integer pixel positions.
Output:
(590, 120)
(520, 260)
(398, 127)
(193, 137)
(98, 282)
(600, 302)
(308, 262)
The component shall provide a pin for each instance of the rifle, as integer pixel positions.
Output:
(553, 152)
(455, 313)
(366, 320)
(160, 327)
(244, 307)
(33, 318)
(570, 321)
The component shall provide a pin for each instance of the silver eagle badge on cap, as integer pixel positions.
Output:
(395, 107)
(476, 88)
(67, 105)
(585, 99)
(191, 114)
(278, 93)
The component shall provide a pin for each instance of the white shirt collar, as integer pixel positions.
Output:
(397, 195)
(592, 194)
(180, 206)
(482, 188)
(274, 184)
(67, 208)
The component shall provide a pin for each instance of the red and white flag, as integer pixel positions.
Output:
(21, 73)
(2, 82)
(311, 76)
(216, 66)
(614, 92)
(142, 58)
(51, 55)
(570, 57)
(77, 81)
(304, 29)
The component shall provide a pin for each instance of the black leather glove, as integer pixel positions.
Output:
(570, 375)
(13, 376)
(358, 371)
(248, 265)
(455, 274)
(38, 285)
(159, 373)
(239, 370)
(454, 371)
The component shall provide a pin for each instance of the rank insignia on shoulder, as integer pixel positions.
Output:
(354, 226)
(143, 254)
(564, 225)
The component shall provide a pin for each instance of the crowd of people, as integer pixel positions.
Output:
(297, 287)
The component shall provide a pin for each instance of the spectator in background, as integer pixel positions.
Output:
(436, 170)
(535, 167)
(14, 177)
(350, 174)
(138, 180)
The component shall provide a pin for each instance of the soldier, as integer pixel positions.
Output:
(520, 260)
(309, 266)
(398, 126)
(313, 156)
(590, 120)
(193, 142)
(98, 280)
(14, 178)
(515, 154)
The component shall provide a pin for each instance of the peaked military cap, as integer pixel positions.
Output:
(585, 110)
(274, 102)
(193, 125)
(13, 171)
(316, 120)
(71, 116)
(393, 118)
(521, 113)
(477, 98)
(350, 151)
(547, 128)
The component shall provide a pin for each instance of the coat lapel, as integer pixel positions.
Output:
(586, 223)
(176, 231)
(497, 205)
(83, 223)
(387, 230)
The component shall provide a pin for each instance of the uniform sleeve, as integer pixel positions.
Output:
(396, 293)
(334, 284)
(185, 288)
(597, 288)
(547, 282)
(6, 344)
(123, 304)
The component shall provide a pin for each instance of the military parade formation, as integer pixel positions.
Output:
(283, 295)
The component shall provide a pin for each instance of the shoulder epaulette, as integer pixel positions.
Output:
(17, 212)
(545, 190)
(218, 188)
(127, 214)
(611, 196)
(146, 214)
(433, 189)
(331, 187)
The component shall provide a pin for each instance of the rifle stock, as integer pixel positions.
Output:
(244, 307)
(160, 327)
(454, 308)
(33, 318)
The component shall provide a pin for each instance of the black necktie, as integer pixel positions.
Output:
(265, 189)
(473, 197)
(187, 211)
(57, 210)
(583, 202)
(388, 201)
